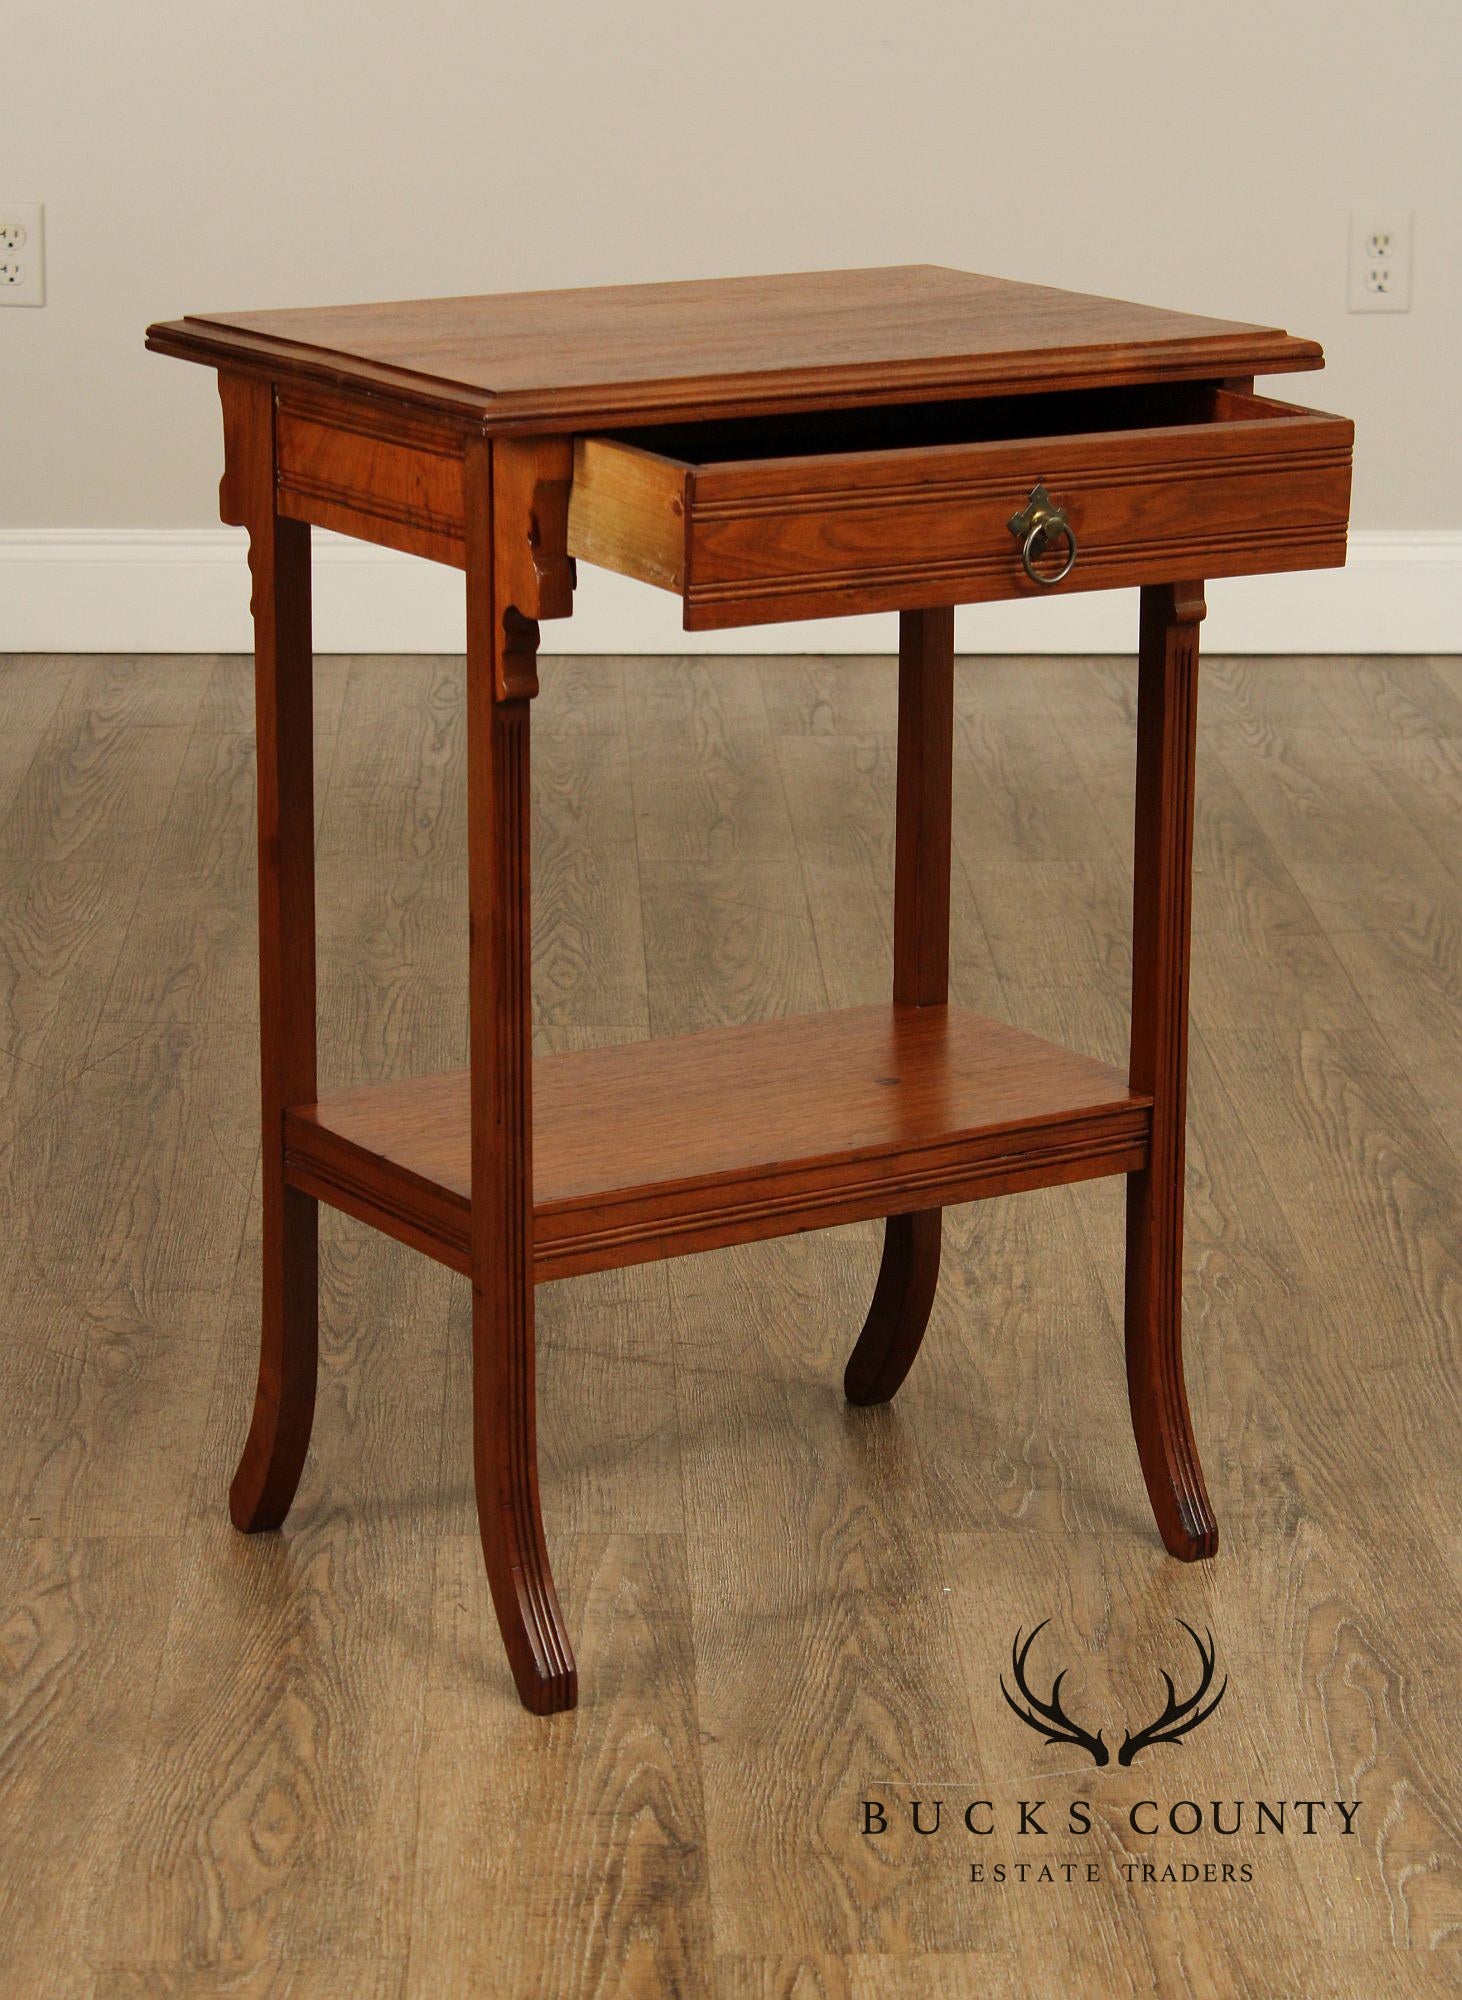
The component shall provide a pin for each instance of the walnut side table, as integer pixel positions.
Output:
(769, 448)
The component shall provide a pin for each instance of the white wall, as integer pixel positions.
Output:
(194, 155)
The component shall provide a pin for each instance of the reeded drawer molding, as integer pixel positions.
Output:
(395, 478)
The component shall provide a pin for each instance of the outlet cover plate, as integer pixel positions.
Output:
(1379, 279)
(22, 253)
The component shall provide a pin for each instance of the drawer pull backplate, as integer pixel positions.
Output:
(1038, 524)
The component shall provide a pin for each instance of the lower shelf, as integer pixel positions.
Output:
(653, 1149)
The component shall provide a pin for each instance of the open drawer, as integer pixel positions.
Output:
(916, 505)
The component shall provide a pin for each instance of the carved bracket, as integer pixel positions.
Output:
(237, 438)
(530, 503)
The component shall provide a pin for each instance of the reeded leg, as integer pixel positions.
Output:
(501, 680)
(1166, 736)
(908, 1276)
(279, 559)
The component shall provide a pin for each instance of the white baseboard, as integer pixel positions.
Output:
(164, 590)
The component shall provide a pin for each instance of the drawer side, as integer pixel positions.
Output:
(628, 511)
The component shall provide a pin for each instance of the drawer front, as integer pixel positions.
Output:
(1259, 487)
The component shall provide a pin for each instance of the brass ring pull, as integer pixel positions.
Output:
(1039, 523)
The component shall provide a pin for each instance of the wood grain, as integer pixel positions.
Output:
(502, 678)
(1167, 738)
(607, 1807)
(703, 791)
(280, 1648)
(652, 1149)
(627, 511)
(35, 685)
(268, 1979)
(111, 1112)
(191, 943)
(588, 945)
(288, 1768)
(804, 520)
(220, 1875)
(392, 873)
(1304, 1052)
(113, 1354)
(396, 481)
(908, 1273)
(116, 736)
(82, 1626)
(514, 494)
(284, 723)
(634, 353)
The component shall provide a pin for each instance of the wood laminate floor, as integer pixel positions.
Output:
(294, 1766)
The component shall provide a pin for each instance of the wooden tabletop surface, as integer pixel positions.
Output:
(630, 354)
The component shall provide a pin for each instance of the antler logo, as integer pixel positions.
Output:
(1050, 1720)
(1178, 1717)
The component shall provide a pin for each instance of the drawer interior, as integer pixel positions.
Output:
(982, 420)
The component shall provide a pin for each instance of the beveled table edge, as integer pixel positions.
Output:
(1264, 351)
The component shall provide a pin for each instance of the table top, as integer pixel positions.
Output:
(632, 354)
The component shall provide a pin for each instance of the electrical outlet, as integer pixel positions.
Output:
(1380, 261)
(22, 253)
